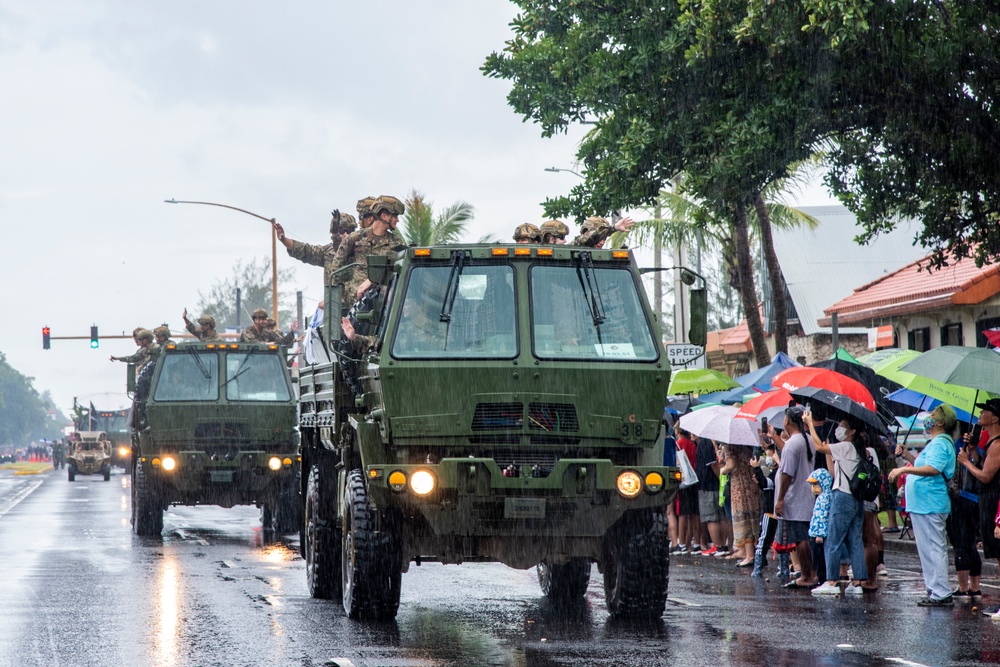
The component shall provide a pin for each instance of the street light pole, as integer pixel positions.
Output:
(274, 246)
(557, 169)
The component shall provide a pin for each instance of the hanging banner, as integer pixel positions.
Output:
(879, 337)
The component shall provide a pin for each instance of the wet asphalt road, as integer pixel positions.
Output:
(79, 589)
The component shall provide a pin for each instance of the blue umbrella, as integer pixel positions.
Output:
(752, 383)
(924, 402)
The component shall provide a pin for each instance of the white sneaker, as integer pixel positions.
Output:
(827, 588)
(881, 571)
(996, 615)
(853, 589)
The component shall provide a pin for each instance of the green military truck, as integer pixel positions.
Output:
(509, 411)
(214, 424)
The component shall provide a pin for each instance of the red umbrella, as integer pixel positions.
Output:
(778, 398)
(822, 378)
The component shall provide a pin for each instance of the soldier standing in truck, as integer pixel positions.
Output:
(205, 331)
(341, 225)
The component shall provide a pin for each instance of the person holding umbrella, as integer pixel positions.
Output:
(928, 503)
(846, 512)
(983, 463)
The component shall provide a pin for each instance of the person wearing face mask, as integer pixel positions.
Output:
(928, 502)
(846, 512)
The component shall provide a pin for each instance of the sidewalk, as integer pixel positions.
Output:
(27, 467)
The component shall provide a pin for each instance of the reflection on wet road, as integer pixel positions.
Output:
(80, 589)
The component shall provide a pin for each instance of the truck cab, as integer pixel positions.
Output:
(504, 405)
(214, 423)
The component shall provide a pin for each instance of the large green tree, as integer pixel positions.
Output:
(24, 415)
(735, 92)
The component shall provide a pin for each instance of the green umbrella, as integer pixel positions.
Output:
(699, 381)
(976, 368)
(886, 362)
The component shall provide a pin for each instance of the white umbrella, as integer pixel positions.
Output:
(732, 431)
(697, 421)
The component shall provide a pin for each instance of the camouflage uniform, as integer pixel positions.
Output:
(323, 255)
(263, 335)
(141, 356)
(213, 337)
(355, 249)
(594, 231)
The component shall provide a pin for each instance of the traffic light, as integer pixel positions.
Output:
(45, 338)
(94, 341)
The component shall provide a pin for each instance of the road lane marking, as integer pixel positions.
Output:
(686, 603)
(910, 663)
(21, 495)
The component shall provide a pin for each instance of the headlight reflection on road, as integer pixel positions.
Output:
(166, 639)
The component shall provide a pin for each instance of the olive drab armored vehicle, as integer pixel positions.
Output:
(214, 424)
(89, 454)
(506, 407)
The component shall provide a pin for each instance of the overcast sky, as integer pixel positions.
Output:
(286, 109)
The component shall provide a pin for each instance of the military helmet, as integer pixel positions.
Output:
(161, 331)
(341, 223)
(207, 319)
(387, 203)
(593, 223)
(144, 334)
(365, 207)
(135, 332)
(271, 323)
(527, 231)
(259, 314)
(554, 228)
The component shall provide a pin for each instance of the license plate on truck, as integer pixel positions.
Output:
(524, 508)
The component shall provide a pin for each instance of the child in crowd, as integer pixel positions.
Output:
(822, 485)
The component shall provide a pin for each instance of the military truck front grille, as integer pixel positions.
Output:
(223, 434)
(553, 417)
(522, 458)
(495, 439)
(489, 416)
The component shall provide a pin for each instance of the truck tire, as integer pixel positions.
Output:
(370, 562)
(147, 507)
(321, 539)
(566, 582)
(637, 567)
(71, 472)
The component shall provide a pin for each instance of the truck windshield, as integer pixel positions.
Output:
(189, 376)
(255, 377)
(563, 323)
(481, 321)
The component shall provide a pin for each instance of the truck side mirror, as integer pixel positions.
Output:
(698, 334)
(379, 269)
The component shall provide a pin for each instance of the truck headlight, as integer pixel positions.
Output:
(123, 451)
(168, 463)
(274, 463)
(629, 484)
(422, 482)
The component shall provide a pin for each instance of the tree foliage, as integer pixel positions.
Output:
(419, 225)
(254, 281)
(902, 95)
(23, 413)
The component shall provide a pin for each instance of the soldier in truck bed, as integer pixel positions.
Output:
(379, 239)
(144, 339)
(205, 331)
(341, 224)
(593, 233)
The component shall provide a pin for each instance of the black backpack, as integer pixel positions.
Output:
(866, 482)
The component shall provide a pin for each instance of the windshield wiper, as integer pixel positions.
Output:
(240, 370)
(451, 290)
(584, 269)
(201, 364)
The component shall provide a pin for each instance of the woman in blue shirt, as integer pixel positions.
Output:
(928, 503)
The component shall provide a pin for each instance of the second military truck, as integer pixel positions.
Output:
(214, 424)
(507, 407)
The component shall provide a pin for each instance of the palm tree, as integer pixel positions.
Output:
(420, 227)
(685, 218)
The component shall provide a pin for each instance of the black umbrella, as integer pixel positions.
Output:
(838, 405)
